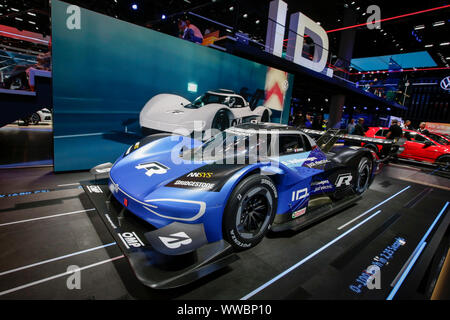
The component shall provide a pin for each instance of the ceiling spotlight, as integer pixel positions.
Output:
(231, 8)
(353, 2)
(18, 19)
(438, 23)
(31, 14)
(134, 6)
(245, 15)
(358, 8)
(419, 27)
(444, 44)
(447, 58)
(428, 45)
(401, 49)
(257, 21)
(163, 16)
(14, 9)
(318, 22)
(32, 22)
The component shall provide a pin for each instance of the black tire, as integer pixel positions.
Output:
(444, 163)
(35, 118)
(265, 116)
(221, 121)
(249, 212)
(363, 173)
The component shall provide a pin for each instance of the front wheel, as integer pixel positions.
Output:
(35, 118)
(250, 212)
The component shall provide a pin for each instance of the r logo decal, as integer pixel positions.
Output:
(345, 178)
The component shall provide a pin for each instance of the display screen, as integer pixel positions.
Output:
(105, 71)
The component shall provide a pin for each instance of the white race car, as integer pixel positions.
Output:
(219, 109)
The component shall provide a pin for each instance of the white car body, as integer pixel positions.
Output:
(45, 115)
(173, 113)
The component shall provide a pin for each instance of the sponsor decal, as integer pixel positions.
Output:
(153, 168)
(321, 186)
(195, 184)
(94, 189)
(130, 239)
(239, 243)
(270, 184)
(344, 178)
(210, 177)
(205, 175)
(317, 163)
(299, 194)
(299, 213)
(297, 162)
(175, 240)
(315, 183)
(370, 277)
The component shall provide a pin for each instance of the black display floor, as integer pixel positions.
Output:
(47, 223)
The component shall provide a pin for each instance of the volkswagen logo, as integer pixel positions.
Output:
(445, 83)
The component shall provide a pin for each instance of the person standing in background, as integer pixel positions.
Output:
(308, 123)
(359, 128)
(351, 126)
(422, 129)
(408, 125)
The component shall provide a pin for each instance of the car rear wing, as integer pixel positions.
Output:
(327, 139)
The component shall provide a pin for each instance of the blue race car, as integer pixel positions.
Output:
(237, 185)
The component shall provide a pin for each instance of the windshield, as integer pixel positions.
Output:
(438, 139)
(231, 144)
(208, 98)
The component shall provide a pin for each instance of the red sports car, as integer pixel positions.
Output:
(434, 148)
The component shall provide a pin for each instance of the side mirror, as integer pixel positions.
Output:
(428, 143)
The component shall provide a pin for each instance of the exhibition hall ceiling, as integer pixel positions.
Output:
(423, 31)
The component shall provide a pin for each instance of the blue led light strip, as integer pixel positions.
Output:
(312, 255)
(417, 253)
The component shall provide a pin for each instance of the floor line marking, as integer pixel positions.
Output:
(379, 204)
(310, 256)
(30, 284)
(46, 217)
(68, 184)
(418, 250)
(55, 259)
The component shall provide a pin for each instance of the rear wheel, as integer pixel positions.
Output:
(221, 121)
(250, 212)
(265, 117)
(363, 173)
(444, 163)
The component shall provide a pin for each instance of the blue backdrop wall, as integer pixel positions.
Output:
(105, 72)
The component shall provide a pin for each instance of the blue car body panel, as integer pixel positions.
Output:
(159, 191)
